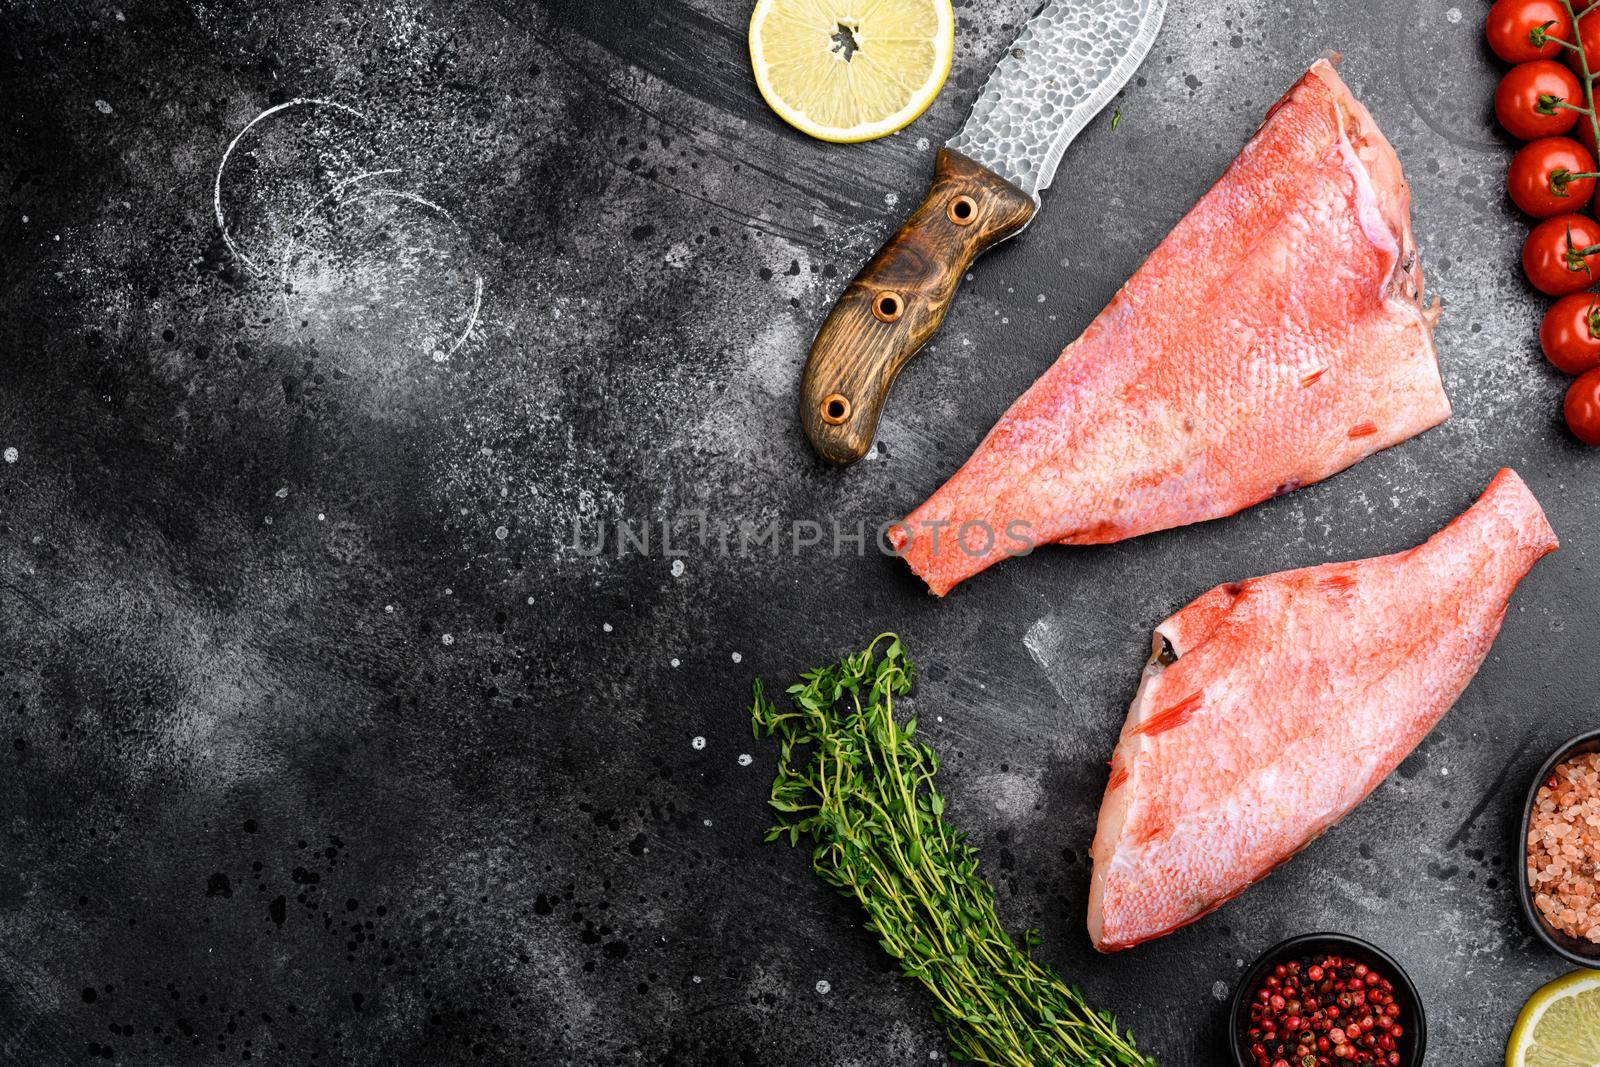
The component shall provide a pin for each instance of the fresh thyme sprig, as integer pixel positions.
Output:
(854, 781)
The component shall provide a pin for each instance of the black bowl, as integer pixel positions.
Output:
(1413, 1042)
(1583, 953)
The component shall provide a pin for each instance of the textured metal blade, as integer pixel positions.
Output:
(1070, 60)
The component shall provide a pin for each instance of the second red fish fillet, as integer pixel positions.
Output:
(1272, 707)
(1276, 337)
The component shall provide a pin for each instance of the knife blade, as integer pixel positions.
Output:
(1071, 59)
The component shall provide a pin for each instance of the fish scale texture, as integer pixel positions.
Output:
(1276, 337)
(1292, 696)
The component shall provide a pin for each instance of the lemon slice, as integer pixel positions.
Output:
(851, 70)
(1560, 1025)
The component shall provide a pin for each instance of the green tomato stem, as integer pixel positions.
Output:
(1586, 75)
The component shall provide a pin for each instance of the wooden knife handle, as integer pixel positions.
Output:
(895, 304)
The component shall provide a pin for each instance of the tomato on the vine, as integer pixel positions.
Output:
(1557, 256)
(1570, 333)
(1532, 99)
(1584, 132)
(1589, 35)
(1582, 408)
(1541, 178)
(1514, 25)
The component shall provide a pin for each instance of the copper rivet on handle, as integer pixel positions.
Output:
(888, 306)
(962, 210)
(835, 409)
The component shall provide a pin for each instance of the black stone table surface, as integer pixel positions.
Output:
(324, 741)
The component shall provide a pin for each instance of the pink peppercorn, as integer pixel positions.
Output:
(1323, 1011)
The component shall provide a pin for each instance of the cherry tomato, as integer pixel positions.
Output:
(1513, 23)
(1527, 103)
(1541, 182)
(1582, 408)
(1584, 129)
(1550, 255)
(1570, 333)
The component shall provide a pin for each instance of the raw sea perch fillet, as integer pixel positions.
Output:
(1273, 706)
(1276, 337)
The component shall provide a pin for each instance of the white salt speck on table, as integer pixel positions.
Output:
(677, 568)
(823, 987)
(674, 661)
(449, 639)
(606, 626)
(283, 492)
(12, 455)
(737, 657)
(698, 743)
(745, 759)
(501, 533)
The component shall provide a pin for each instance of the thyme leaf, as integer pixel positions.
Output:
(854, 783)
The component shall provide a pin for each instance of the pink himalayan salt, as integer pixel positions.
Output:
(1564, 848)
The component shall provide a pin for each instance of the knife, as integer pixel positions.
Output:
(1072, 57)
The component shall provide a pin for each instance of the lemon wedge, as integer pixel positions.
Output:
(851, 70)
(1560, 1025)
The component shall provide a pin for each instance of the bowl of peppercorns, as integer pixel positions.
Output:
(1327, 1000)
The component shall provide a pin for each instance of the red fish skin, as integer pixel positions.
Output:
(1274, 338)
(1316, 683)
